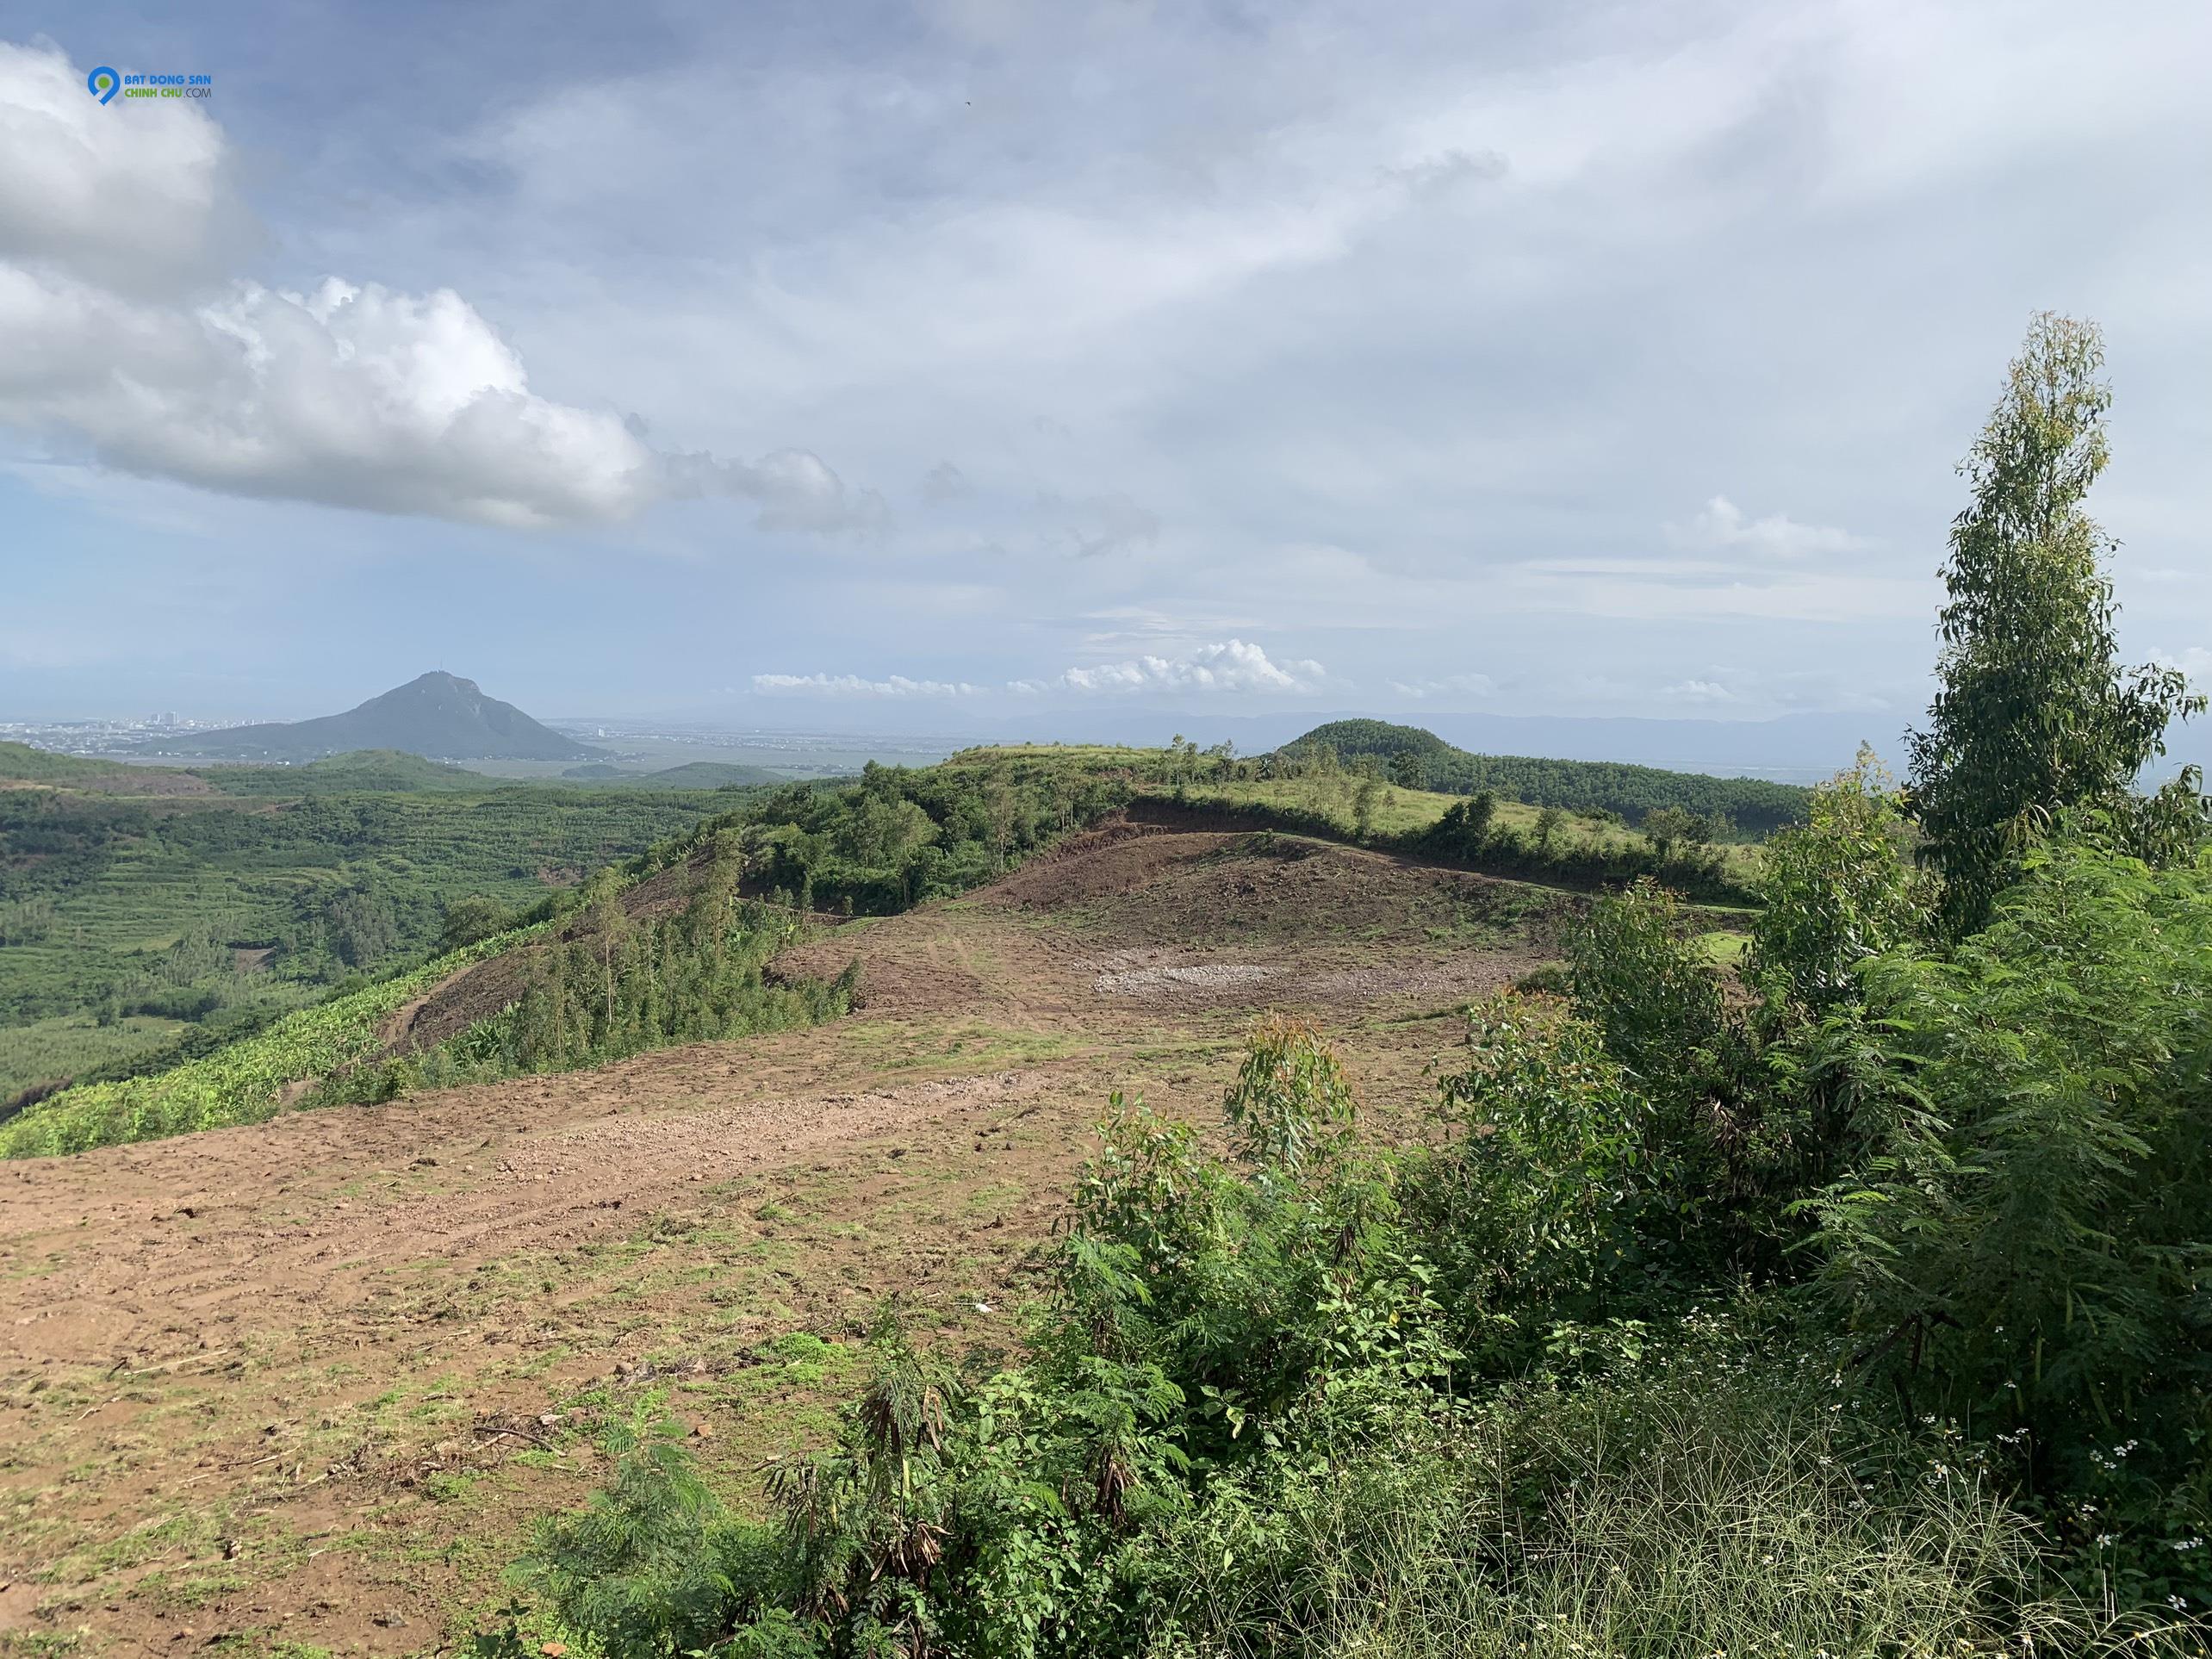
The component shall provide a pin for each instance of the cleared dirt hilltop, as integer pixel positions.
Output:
(304, 1386)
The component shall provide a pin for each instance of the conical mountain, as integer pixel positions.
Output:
(439, 715)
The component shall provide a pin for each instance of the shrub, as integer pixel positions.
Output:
(2022, 1248)
(1243, 1427)
(1839, 889)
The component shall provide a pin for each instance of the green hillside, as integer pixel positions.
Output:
(1422, 759)
(21, 764)
(120, 915)
(379, 771)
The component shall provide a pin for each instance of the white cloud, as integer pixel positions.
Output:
(1435, 177)
(139, 196)
(852, 684)
(352, 395)
(2195, 661)
(1722, 526)
(1699, 690)
(1467, 685)
(1230, 665)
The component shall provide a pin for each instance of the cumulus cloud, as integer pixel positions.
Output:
(350, 396)
(139, 199)
(1229, 665)
(1465, 684)
(1723, 526)
(852, 684)
(2195, 661)
(1699, 690)
(112, 222)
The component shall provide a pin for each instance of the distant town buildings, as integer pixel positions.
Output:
(108, 736)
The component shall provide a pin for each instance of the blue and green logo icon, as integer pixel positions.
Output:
(101, 82)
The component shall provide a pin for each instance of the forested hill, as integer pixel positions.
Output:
(436, 714)
(1422, 759)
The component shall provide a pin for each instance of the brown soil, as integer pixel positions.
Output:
(306, 1384)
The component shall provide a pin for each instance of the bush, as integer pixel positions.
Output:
(468, 920)
(2022, 1247)
(1246, 1426)
(1839, 889)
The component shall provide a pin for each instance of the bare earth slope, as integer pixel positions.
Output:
(302, 1386)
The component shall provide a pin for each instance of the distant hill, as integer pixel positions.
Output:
(369, 771)
(21, 764)
(1752, 803)
(436, 715)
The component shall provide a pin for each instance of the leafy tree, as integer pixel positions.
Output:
(1839, 889)
(1555, 1201)
(468, 920)
(2023, 1248)
(1645, 985)
(2033, 715)
(361, 927)
(1364, 799)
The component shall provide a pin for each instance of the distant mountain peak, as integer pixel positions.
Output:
(436, 715)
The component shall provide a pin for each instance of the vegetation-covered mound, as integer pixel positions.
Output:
(1421, 759)
(368, 771)
(21, 764)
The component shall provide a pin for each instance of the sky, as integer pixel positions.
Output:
(804, 363)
